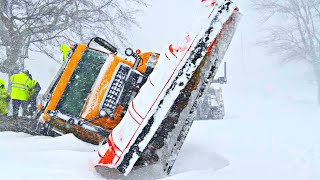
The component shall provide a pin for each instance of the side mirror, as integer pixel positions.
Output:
(136, 56)
(104, 44)
(128, 52)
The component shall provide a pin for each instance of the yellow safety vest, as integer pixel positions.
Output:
(2, 82)
(3, 98)
(21, 84)
(65, 50)
(33, 83)
(3, 91)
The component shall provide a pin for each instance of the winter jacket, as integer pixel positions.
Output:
(35, 88)
(21, 85)
(3, 98)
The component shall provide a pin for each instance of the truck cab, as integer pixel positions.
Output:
(90, 93)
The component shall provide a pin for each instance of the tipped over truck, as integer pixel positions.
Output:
(91, 94)
(139, 108)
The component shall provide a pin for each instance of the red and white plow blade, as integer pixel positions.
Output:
(148, 108)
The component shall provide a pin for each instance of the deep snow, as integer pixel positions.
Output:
(271, 139)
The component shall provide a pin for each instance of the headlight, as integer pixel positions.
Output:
(102, 112)
(52, 113)
(109, 103)
(152, 59)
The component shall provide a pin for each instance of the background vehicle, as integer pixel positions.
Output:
(212, 106)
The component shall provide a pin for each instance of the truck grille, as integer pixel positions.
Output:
(115, 88)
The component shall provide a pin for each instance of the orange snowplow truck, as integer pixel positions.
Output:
(90, 93)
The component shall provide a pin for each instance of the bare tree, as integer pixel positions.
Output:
(37, 25)
(294, 30)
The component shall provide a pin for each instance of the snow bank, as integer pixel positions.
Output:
(273, 141)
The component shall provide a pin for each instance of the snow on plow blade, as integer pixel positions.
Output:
(164, 108)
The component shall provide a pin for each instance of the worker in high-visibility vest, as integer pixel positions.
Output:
(65, 50)
(34, 92)
(4, 98)
(21, 85)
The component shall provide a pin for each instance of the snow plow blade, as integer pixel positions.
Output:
(158, 119)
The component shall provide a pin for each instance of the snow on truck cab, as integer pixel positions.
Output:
(91, 93)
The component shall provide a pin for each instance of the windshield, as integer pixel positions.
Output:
(81, 82)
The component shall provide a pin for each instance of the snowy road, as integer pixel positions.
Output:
(267, 141)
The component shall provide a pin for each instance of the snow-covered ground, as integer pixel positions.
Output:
(269, 139)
